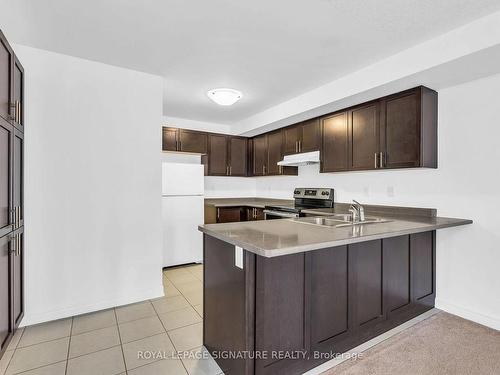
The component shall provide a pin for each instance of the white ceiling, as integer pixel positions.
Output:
(271, 50)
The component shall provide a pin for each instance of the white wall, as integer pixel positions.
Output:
(93, 185)
(466, 185)
(184, 123)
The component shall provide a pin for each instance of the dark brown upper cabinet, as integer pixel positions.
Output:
(304, 137)
(17, 104)
(217, 155)
(364, 133)
(238, 155)
(227, 155)
(169, 139)
(6, 60)
(259, 155)
(335, 146)
(409, 129)
(274, 153)
(183, 140)
(398, 131)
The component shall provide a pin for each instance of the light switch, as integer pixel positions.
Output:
(238, 257)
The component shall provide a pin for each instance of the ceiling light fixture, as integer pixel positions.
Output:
(224, 96)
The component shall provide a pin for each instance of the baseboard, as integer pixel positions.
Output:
(485, 320)
(132, 297)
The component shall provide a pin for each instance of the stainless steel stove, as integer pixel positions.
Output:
(305, 198)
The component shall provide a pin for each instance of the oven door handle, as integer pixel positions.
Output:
(280, 214)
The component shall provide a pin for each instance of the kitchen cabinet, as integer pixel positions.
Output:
(259, 155)
(11, 193)
(169, 139)
(229, 214)
(227, 155)
(304, 137)
(183, 140)
(217, 155)
(255, 213)
(274, 153)
(364, 133)
(398, 131)
(409, 129)
(267, 152)
(335, 143)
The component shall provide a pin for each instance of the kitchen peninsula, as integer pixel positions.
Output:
(285, 292)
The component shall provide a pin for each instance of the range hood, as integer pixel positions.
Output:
(306, 158)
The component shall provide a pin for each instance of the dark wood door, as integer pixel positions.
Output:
(260, 155)
(366, 287)
(274, 153)
(217, 156)
(17, 272)
(5, 177)
(365, 136)
(229, 214)
(5, 287)
(170, 139)
(18, 93)
(423, 268)
(17, 177)
(335, 147)
(311, 136)
(237, 156)
(280, 315)
(329, 296)
(6, 58)
(396, 268)
(192, 141)
(401, 131)
(291, 137)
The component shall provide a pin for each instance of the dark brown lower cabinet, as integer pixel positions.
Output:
(255, 213)
(6, 327)
(310, 304)
(230, 214)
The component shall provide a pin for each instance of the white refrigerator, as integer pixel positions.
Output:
(182, 212)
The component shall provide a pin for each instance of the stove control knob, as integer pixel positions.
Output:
(325, 193)
(296, 192)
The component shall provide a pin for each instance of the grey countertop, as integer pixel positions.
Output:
(248, 202)
(281, 237)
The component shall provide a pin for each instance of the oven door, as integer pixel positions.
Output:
(270, 215)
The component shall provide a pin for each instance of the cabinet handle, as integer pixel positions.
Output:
(230, 171)
(300, 146)
(376, 160)
(264, 169)
(218, 214)
(18, 247)
(18, 106)
(382, 160)
(13, 244)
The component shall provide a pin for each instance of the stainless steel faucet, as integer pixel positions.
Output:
(357, 212)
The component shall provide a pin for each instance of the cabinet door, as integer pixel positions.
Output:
(366, 287)
(396, 269)
(401, 131)
(291, 138)
(5, 177)
(5, 287)
(6, 57)
(169, 140)
(17, 272)
(423, 268)
(259, 213)
(335, 147)
(229, 214)
(365, 137)
(311, 136)
(259, 155)
(274, 153)
(17, 177)
(329, 295)
(192, 141)
(237, 156)
(18, 93)
(218, 160)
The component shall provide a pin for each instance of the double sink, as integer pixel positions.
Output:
(339, 220)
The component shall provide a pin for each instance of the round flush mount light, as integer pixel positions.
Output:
(224, 96)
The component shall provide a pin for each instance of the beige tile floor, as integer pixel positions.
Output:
(107, 342)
